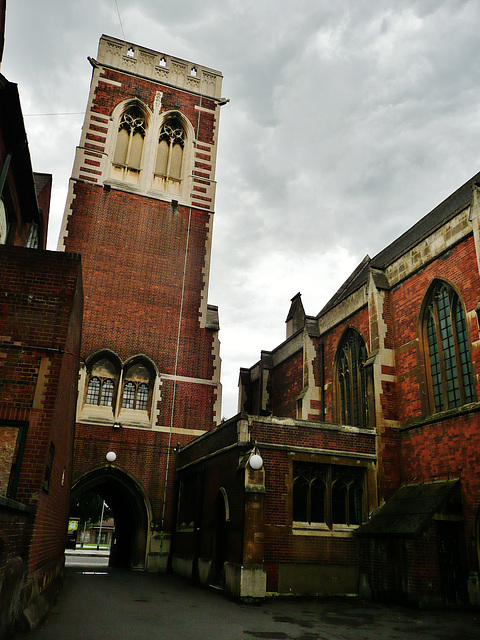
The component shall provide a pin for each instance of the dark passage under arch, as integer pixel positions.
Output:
(131, 513)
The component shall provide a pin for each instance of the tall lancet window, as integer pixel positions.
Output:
(352, 385)
(171, 143)
(129, 147)
(445, 333)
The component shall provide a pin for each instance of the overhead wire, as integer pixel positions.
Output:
(179, 330)
(120, 20)
(76, 113)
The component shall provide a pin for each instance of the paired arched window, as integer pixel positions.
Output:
(351, 379)
(108, 379)
(449, 369)
(171, 142)
(134, 145)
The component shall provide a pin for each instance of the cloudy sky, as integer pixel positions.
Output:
(348, 121)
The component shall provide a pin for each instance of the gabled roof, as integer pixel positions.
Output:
(353, 282)
(447, 209)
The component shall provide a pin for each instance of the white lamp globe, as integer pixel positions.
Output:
(256, 461)
(111, 456)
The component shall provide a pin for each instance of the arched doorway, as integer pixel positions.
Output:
(132, 513)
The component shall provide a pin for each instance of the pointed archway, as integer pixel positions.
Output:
(132, 512)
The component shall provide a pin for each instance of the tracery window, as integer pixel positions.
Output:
(136, 388)
(448, 362)
(102, 383)
(100, 391)
(171, 143)
(135, 395)
(329, 494)
(130, 138)
(352, 383)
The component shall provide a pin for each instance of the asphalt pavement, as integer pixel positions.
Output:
(100, 603)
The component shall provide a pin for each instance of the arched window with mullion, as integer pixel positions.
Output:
(137, 386)
(106, 396)
(309, 485)
(100, 391)
(450, 379)
(93, 390)
(327, 494)
(102, 381)
(352, 385)
(171, 142)
(130, 137)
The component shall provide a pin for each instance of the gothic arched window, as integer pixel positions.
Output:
(136, 388)
(171, 143)
(329, 494)
(102, 383)
(347, 491)
(352, 383)
(309, 487)
(450, 379)
(130, 137)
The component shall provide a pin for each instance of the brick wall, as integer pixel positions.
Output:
(40, 327)
(285, 385)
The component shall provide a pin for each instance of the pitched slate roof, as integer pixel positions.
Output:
(447, 209)
(409, 510)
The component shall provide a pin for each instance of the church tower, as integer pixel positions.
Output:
(140, 212)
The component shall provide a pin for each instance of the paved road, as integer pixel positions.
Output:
(98, 603)
(86, 560)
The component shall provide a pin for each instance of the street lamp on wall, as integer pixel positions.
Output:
(111, 456)
(256, 460)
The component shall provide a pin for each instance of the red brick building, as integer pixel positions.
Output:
(140, 211)
(40, 326)
(374, 401)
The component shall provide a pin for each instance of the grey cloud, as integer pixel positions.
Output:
(348, 122)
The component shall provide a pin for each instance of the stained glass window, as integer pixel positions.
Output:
(352, 355)
(451, 380)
